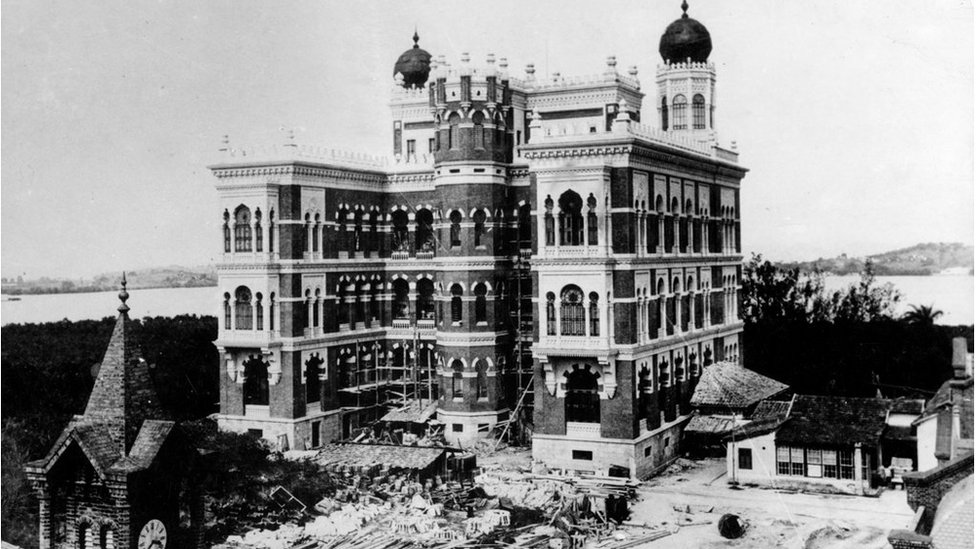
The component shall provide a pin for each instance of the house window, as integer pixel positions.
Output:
(550, 314)
(258, 232)
(479, 130)
(570, 219)
(401, 299)
(783, 460)
(313, 368)
(667, 441)
(814, 463)
(796, 462)
(572, 317)
(664, 113)
(227, 317)
(647, 451)
(271, 231)
(698, 112)
(456, 309)
(411, 148)
(745, 458)
(457, 427)
(846, 464)
(256, 382)
(592, 226)
(483, 427)
(242, 308)
(455, 228)
(106, 538)
(242, 229)
(830, 464)
(452, 133)
(256, 433)
(594, 314)
(679, 104)
(457, 385)
(479, 227)
(316, 429)
(258, 311)
(585, 455)
(425, 299)
(482, 380)
(480, 303)
(430, 146)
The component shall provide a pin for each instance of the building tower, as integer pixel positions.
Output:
(686, 80)
(119, 472)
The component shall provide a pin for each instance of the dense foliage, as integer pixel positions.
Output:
(845, 342)
(46, 377)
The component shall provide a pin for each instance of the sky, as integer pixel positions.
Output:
(854, 118)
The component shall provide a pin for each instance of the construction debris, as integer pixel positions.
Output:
(394, 497)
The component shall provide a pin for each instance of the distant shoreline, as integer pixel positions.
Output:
(95, 289)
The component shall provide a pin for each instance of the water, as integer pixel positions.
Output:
(953, 295)
(96, 305)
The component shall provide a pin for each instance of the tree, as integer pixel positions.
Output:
(923, 315)
(773, 294)
(865, 301)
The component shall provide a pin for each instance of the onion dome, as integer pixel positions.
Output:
(414, 65)
(685, 39)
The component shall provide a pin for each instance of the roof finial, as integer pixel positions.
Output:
(684, 8)
(123, 296)
(416, 37)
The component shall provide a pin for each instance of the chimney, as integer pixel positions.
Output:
(960, 358)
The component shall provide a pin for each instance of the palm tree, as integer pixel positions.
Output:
(922, 314)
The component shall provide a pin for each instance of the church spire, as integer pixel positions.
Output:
(124, 395)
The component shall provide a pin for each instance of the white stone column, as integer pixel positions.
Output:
(233, 314)
(254, 314)
(662, 316)
(586, 318)
(677, 312)
(660, 234)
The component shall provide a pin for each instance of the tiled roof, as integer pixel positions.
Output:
(123, 395)
(771, 409)
(369, 455)
(151, 438)
(732, 386)
(952, 527)
(836, 421)
(755, 428)
(907, 406)
(411, 413)
(709, 424)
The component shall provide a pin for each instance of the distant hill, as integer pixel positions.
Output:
(173, 276)
(920, 260)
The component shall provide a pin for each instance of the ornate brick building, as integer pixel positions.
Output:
(119, 475)
(531, 249)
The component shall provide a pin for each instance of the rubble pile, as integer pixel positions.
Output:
(375, 508)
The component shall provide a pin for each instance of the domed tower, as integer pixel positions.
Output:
(413, 65)
(686, 79)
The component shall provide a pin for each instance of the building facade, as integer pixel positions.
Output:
(533, 251)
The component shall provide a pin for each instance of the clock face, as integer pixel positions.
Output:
(153, 535)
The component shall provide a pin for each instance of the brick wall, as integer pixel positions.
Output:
(927, 488)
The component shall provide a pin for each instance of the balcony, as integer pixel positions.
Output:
(582, 430)
(425, 255)
(596, 343)
(245, 338)
(571, 252)
(400, 256)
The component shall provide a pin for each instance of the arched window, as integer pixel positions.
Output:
(525, 227)
(272, 311)
(664, 113)
(255, 382)
(479, 130)
(374, 302)
(664, 374)
(357, 231)
(84, 536)
(226, 232)
(482, 379)
(340, 241)
(374, 222)
(425, 230)
(679, 104)
(457, 312)
(455, 228)
(313, 372)
(258, 233)
(698, 111)
(242, 308)
(227, 316)
(571, 316)
(570, 219)
(457, 379)
(452, 132)
(594, 314)
(550, 223)
(707, 356)
(551, 313)
(425, 299)
(582, 396)
(592, 227)
(480, 303)
(106, 538)
(401, 299)
(479, 227)
(271, 230)
(317, 306)
(400, 237)
(242, 229)
(258, 311)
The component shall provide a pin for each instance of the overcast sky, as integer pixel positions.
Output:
(855, 118)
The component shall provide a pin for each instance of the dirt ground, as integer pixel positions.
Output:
(775, 518)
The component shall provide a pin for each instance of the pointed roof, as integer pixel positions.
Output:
(124, 395)
(729, 385)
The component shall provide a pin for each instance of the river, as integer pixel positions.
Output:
(953, 295)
